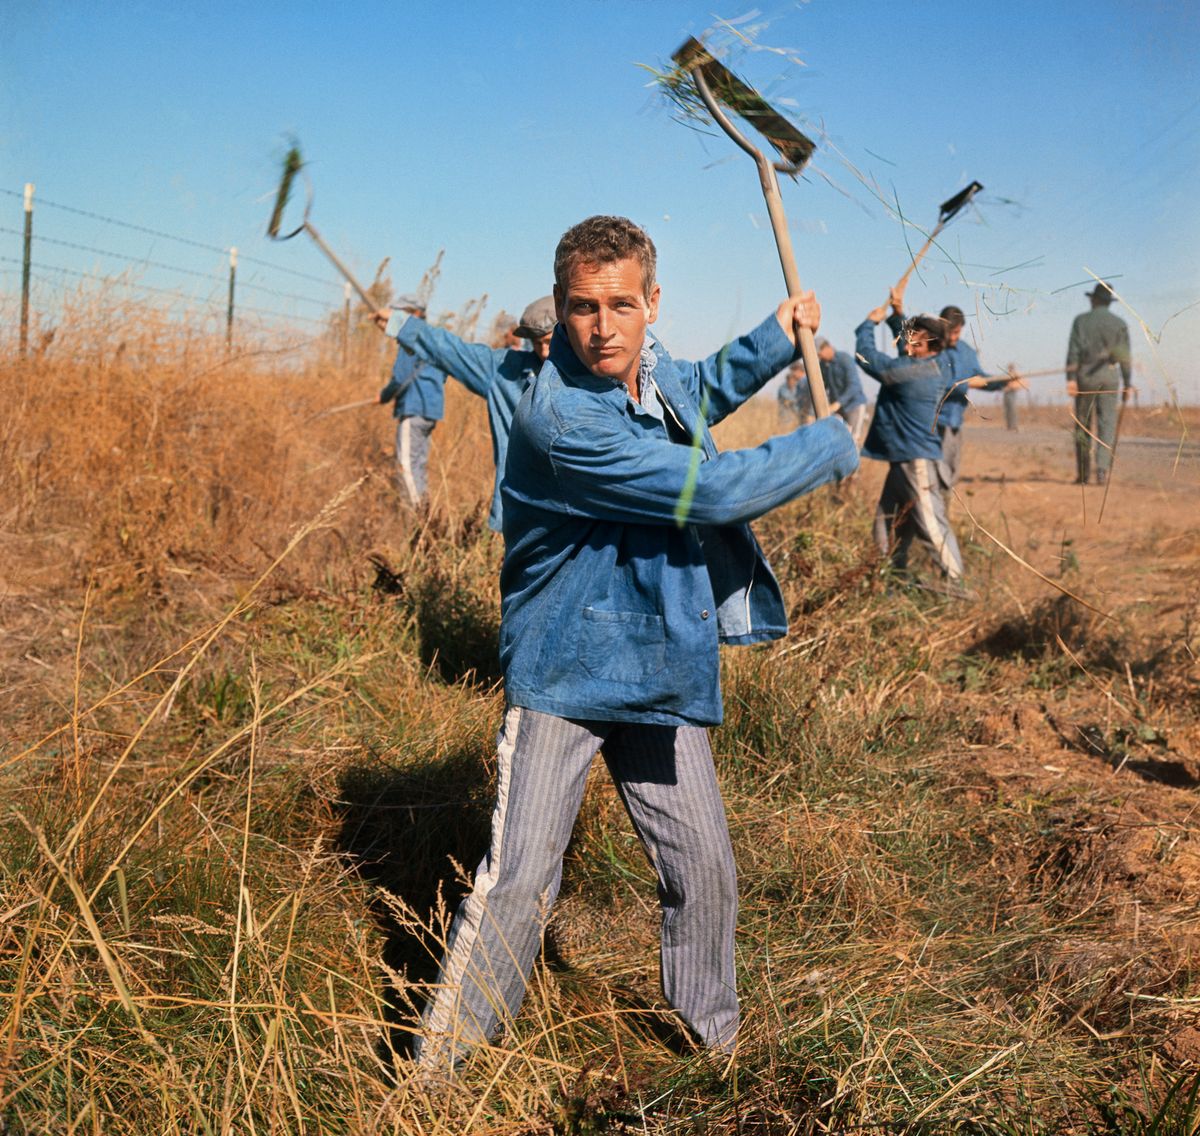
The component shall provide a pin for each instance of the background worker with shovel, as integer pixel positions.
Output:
(419, 393)
(793, 399)
(963, 372)
(1098, 355)
(628, 560)
(499, 375)
(903, 434)
(844, 388)
(964, 367)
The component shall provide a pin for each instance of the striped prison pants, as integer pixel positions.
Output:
(666, 780)
(856, 419)
(412, 455)
(951, 462)
(911, 507)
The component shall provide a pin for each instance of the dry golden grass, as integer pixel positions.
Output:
(242, 787)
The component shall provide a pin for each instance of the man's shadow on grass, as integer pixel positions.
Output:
(403, 830)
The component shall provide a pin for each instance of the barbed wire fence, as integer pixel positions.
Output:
(322, 304)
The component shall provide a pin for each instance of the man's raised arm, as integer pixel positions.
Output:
(660, 482)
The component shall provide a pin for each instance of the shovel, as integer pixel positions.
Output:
(715, 84)
(947, 211)
(292, 165)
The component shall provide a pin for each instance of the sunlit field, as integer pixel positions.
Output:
(249, 702)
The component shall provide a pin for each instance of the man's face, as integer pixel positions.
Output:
(952, 334)
(826, 353)
(605, 314)
(918, 343)
(541, 347)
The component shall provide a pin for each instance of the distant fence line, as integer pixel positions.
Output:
(228, 283)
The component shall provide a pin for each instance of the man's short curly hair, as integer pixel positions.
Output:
(603, 240)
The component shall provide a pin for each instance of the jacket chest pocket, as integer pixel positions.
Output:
(621, 646)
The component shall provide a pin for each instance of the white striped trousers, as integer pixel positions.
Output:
(667, 782)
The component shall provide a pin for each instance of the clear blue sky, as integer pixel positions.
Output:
(488, 128)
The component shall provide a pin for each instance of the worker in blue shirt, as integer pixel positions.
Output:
(794, 400)
(628, 559)
(964, 373)
(844, 388)
(964, 366)
(500, 375)
(904, 434)
(418, 391)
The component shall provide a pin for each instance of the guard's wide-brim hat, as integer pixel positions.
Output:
(537, 320)
(1103, 292)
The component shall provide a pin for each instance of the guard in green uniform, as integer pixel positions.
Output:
(1098, 371)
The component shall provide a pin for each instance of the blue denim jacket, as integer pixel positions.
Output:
(418, 389)
(628, 557)
(500, 376)
(964, 364)
(910, 393)
(841, 381)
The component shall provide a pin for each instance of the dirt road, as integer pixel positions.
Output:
(1135, 541)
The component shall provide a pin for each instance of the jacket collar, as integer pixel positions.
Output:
(573, 373)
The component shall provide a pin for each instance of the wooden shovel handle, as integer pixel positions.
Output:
(902, 283)
(346, 273)
(787, 260)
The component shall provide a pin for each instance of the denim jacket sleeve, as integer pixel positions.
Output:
(608, 474)
(472, 364)
(965, 365)
(867, 355)
(739, 369)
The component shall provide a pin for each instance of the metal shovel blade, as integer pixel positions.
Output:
(292, 164)
(959, 201)
(794, 147)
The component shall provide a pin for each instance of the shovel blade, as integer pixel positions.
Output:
(794, 147)
(292, 165)
(958, 202)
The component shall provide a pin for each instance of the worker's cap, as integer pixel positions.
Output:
(822, 344)
(409, 302)
(537, 320)
(1102, 292)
